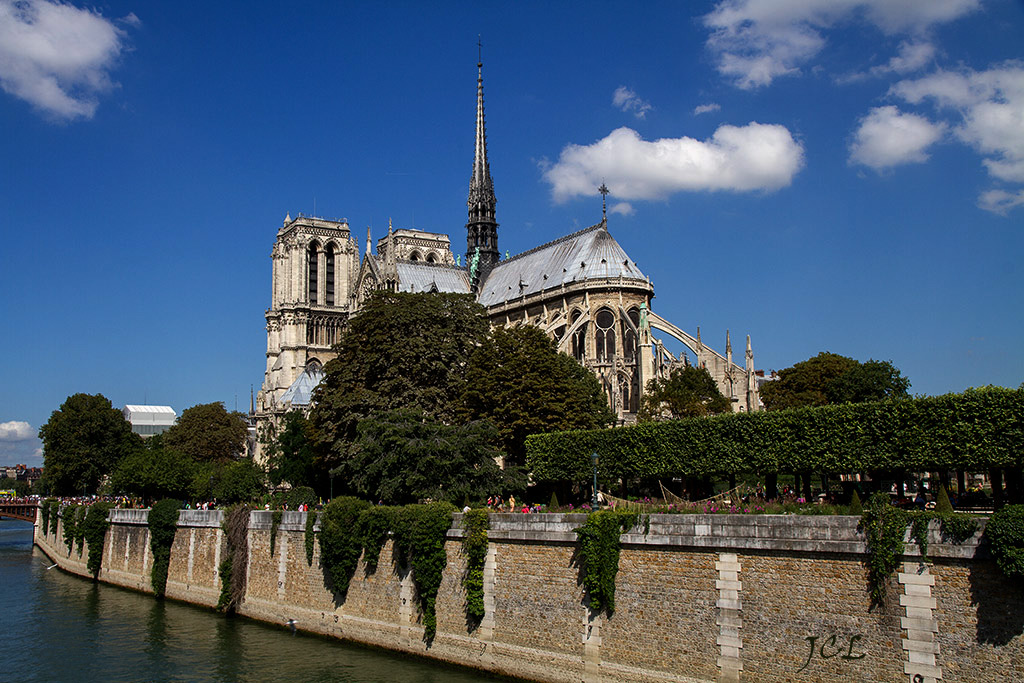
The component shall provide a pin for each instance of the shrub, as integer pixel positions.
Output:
(375, 523)
(856, 507)
(300, 495)
(1005, 533)
(163, 524)
(942, 504)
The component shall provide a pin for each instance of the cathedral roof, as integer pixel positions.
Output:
(420, 276)
(590, 254)
(300, 393)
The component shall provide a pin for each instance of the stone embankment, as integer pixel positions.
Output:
(698, 598)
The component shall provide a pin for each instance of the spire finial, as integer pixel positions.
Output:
(479, 52)
(604, 201)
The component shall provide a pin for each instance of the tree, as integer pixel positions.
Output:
(688, 392)
(405, 455)
(290, 452)
(399, 351)
(829, 378)
(154, 473)
(208, 432)
(519, 380)
(82, 442)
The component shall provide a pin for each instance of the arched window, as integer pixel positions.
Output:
(605, 335)
(629, 340)
(431, 257)
(415, 256)
(311, 258)
(579, 338)
(329, 284)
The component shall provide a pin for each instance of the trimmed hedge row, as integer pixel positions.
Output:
(975, 430)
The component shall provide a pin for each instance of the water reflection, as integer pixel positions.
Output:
(61, 627)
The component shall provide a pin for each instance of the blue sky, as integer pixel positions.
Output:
(841, 175)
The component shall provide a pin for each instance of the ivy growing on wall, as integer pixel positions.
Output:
(275, 522)
(69, 515)
(1005, 533)
(310, 537)
(340, 544)
(79, 527)
(54, 515)
(163, 524)
(236, 533)
(474, 546)
(94, 531)
(374, 525)
(884, 526)
(44, 516)
(419, 534)
(599, 555)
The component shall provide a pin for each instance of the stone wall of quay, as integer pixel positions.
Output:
(698, 598)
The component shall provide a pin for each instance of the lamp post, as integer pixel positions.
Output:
(593, 502)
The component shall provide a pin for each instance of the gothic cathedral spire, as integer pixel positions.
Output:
(481, 228)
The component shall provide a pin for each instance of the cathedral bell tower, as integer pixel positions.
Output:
(481, 228)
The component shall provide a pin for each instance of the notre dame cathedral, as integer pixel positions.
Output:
(582, 289)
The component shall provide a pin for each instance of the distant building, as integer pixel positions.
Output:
(148, 421)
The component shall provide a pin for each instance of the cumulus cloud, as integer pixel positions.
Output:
(888, 137)
(628, 101)
(757, 41)
(736, 158)
(991, 108)
(58, 57)
(623, 209)
(1001, 201)
(16, 430)
(705, 108)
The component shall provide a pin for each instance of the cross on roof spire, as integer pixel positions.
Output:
(604, 197)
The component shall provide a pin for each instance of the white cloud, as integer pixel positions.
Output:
(623, 209)
(740, 159)
(16, 430)
(627, 100)
(888, 137)
(756, 41)
(705, 108)
(1001, 201)
(58, 57)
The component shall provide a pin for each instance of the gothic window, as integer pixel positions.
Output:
(579, 338)
(313, 365)
(311, 258)
(629, 341)
(431, 257)
(329, 285)
(605, 335)
(415, 256)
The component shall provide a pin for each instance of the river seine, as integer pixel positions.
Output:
(58, 627)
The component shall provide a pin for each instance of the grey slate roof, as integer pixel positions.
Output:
(420, 276)
(590, 254)
(300, 393)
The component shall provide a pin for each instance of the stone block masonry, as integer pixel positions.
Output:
(698, 598)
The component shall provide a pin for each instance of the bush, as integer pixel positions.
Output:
(163, 524)
(300, 495)
(942, 504)
(375, 523)
(1005, 533)
(856, 507)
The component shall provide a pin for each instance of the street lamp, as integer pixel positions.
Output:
(593, 503)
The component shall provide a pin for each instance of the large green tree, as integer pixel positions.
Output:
(290, 451)
(208, 432)
(399, 351)
(154, 473)
(687, 392)
(518, 380)
(829, 378)
(405, 455)
(82, 442)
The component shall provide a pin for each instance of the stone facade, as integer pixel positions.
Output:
(698, 598)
